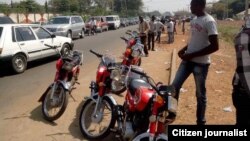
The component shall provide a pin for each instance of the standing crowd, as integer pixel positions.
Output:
(150, 32)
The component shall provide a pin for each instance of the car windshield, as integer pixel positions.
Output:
(61, 20)
(110, 18)
(5, 20)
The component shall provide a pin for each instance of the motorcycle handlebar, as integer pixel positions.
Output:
(97, 54)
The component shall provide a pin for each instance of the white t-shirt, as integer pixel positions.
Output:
(170, 26)
(201, 28)
(159, 26)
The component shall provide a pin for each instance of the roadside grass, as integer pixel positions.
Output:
(228, 31)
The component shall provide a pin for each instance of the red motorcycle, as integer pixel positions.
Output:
(132, 56)
(55, 98)
(97, 115)
(143, 114)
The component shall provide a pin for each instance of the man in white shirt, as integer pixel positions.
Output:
(170, 27)
(196, 56)
(159, 26)
(151, 34)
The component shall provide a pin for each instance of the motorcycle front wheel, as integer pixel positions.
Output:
(54, 107)
(98, 125)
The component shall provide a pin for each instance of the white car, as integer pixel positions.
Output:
(22, 43)
(113, 21)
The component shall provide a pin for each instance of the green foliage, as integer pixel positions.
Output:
(86, 7)
(232, 7)
(228, 32)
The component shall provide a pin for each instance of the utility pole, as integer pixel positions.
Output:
(126, 8)
(246, 7)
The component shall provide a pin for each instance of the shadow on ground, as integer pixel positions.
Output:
(37, 115)
(75, 131)
(6, 69)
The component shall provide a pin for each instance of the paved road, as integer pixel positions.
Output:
(41, 73)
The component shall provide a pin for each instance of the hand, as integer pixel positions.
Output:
(186, 57)
(181, 53)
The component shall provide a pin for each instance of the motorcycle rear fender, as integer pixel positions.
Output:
(44, 94)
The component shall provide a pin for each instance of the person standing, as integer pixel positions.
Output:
(241, 79)
(183, 26)
(159, 27)
(151, 33)
(143, 30)
(170, 27)
(196, 57)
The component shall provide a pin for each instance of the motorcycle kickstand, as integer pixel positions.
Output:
(72, 96)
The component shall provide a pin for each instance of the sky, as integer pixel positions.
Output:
(149, 5)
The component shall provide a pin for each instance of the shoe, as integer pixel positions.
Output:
(153, 49)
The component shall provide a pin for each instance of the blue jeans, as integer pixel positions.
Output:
(200, 74)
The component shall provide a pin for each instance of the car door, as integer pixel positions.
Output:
(45, 38)
(28, 42)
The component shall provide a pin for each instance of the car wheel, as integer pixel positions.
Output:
(19, 63)
(69, 34)
(82, 34)
(65, 50)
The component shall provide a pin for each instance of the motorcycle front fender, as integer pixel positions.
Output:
(64, 84)
(44, 94)
(147, 134)
(110, 97)
(94, 98)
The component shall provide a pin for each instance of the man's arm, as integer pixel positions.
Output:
(213, 47)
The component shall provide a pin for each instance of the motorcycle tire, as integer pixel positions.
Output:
(63, 102)
(84, 116)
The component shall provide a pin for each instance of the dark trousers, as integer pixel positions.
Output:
(241, 102)
(199, 72)
(144, 42)
(151, 37)
(158, 37)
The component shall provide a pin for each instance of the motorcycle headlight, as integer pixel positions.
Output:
(115, 75)
(135, 53)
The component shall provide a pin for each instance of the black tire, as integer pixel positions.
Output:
(63, 104)
(69, 34)
(82, 33)
(19, 63)
(84, 116)
(65, 49)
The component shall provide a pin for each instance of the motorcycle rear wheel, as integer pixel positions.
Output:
(87, 124)
(58, 104)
